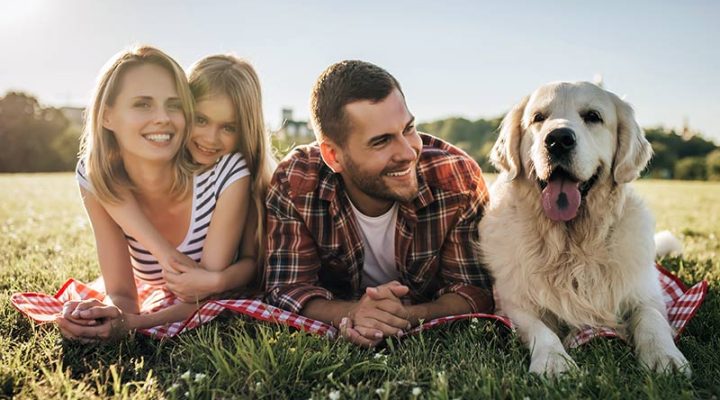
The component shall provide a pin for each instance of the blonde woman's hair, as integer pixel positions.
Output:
(225, 74)
(99, 149)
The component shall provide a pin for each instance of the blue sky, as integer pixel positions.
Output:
(460, 58)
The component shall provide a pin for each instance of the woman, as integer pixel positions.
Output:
(134, 160)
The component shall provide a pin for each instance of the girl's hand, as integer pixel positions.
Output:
(173, 257)
(92, 321)
(190, 284)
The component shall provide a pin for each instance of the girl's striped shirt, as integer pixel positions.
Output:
(207, 188)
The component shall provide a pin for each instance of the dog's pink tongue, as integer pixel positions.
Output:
(561, 199)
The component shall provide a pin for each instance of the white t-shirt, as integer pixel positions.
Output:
(378, 235)
(207, 188)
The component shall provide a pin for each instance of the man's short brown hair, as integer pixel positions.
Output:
(343, 83)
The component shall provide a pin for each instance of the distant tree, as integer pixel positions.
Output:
(34, 138)
(663, 161)
(713, 165)
(670, 148)
(691, 168)
(474, 137)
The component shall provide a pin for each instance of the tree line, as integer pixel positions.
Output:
(34, 138)
(675, 157)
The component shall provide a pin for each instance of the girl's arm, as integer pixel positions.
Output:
(226, 226)
(130, 217)
(192, 285)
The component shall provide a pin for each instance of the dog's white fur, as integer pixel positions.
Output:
(594, 270)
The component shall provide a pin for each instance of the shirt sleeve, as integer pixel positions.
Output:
(230, 168)
(461, 268)
(292, 262)
(82, 177)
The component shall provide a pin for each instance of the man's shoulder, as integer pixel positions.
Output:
(302, 170)
(447, 167)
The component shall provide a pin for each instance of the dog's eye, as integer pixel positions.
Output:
(538, 117)
(591, 117)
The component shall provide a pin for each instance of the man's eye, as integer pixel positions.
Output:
(381, 141)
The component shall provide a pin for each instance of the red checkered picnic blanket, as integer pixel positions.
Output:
(682, 304)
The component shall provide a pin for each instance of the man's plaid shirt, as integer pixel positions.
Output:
(314, 248)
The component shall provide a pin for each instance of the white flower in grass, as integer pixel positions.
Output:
(200, 377)
(185, 375)
(330, 376)
(379, 391)
(416, 391)
(334, 395)
(173, 387)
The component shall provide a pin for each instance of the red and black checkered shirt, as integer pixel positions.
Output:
(314, 248)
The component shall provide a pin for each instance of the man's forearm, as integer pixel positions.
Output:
(328, 311)
(447, 304)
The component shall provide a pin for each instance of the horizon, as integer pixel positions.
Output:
(462, 59)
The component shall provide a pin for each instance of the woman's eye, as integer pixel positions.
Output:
(174, 106)
(200, 121)
(591, 117)
(230, 129)
(142, 104)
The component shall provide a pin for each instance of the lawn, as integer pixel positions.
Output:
(46, 238)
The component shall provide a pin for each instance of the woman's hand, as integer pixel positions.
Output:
(190, 284)
(92, 320)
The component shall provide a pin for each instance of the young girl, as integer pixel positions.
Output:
(134, 171)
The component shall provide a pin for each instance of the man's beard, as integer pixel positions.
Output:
(375, 186)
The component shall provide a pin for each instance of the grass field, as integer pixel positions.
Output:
(45, 238)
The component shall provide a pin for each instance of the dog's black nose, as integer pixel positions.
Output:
(560, 141)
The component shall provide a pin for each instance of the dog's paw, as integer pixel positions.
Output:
(663, 360)
(551, 363)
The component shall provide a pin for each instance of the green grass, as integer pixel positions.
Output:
(45, 238)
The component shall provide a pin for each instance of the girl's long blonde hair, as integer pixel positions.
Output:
(236, 78)
(99, 149)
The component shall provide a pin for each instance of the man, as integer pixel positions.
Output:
(371, 228)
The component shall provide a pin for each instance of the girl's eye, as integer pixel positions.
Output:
(229, 129)
(142, 104)
(200, 121)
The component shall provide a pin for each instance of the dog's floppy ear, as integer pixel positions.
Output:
(505, 154)
(633, 151)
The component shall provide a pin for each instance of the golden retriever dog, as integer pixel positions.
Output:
(568, 242)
